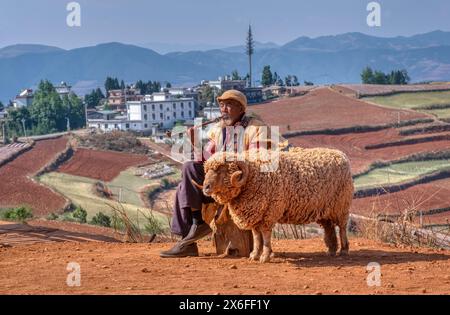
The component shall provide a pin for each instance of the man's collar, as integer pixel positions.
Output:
(243, 121)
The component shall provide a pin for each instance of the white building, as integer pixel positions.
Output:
(63, 89)
(24, 99)
(110, 120)
(211, 112)
(162, 109)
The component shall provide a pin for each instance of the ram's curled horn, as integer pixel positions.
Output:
(239, 178)
(197, 184)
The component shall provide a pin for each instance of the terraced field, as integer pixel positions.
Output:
(433, 103)
(354, 145)
(16, 184)
(324, 108)
(102, 165)
(400, 172)
(79, 190)
(424, 197)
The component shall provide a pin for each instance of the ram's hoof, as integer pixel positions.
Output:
(264, 259)
(343, 253)
(253, 256)
(331, 253)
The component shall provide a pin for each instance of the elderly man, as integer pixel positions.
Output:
(187, 216)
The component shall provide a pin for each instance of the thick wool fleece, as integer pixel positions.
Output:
(310, 185)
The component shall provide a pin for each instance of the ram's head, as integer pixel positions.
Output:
(225, 177)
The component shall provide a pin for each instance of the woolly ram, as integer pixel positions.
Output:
(309, 185)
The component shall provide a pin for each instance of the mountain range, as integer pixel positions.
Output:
(322, 60)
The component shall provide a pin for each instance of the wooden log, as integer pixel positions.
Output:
(228, 239)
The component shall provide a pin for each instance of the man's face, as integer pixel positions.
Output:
(231, 111)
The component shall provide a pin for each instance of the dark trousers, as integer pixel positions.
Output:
(188, 196)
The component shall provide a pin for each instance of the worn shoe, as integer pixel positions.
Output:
(195, 233)
(180, 250)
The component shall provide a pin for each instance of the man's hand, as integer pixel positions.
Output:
(190, 133)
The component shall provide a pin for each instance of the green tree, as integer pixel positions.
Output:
(122, 85)
(266, 78)
(207, 95)
(111, 84)
(398, 77)
(168, 85)
(288, 80)
(93, 99)
(235, 75)
(14, 122)
(74, 111)
(2, 107)
(295, 81)
(275, 77)
(140, 85)
(367, 76)
(380, 78)
(47, 110)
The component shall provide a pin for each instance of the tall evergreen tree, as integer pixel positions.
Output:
(266, 78)
(367, 76)
(235, 75)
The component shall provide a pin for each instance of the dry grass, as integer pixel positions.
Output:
(142, 230)
(399, 229)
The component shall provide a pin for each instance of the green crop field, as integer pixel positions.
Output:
(416, 100)
(131, 185)
(79, 191)
(400, 172)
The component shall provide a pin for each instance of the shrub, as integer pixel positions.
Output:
(20, 214)
(101, 219)
(52, 216)
(80, 215)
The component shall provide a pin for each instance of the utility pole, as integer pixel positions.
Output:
(249, 48)
(24, 130)
(85, 113)
(5, 138)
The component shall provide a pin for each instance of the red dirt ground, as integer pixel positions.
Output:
(299, 267)
(16, 188)
(101, 165)
(427, 196)
(324, 108)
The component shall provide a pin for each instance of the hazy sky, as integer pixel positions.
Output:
(210, 22)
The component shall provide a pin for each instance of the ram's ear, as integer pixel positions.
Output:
(239, 178)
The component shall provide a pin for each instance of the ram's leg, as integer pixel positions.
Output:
(267, 249)
(329, 236)
(257, 245)
(344, 239)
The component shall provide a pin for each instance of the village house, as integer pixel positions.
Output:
(162, 109)
(24, 99)
(109, 120)
(118, 99)
(253, 94)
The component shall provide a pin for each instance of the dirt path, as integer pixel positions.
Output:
(300, 267)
